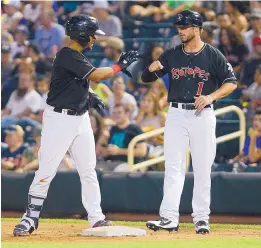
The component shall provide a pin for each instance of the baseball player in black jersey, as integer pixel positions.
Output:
(66, 123)
(199, 75)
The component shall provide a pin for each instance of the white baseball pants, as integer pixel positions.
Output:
(62, 133)
(185, 129)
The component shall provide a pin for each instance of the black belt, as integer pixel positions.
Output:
(187, 106)
(67, 111)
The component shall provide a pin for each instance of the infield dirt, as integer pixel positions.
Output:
(69, 231)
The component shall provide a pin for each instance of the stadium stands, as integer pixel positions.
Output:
(139, 33)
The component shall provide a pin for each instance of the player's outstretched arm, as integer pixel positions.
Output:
(124, 61)
(152, 73)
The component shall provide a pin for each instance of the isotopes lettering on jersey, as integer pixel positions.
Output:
(188, 71)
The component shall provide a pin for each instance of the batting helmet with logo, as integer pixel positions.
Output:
(188, 18)
(81, 27)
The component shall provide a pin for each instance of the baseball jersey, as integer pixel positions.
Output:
(192, 74)
(69, 85)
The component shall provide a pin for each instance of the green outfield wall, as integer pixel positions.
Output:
(134, 193)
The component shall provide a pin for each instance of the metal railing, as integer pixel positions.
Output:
(241, 134)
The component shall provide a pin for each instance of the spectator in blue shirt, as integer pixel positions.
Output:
(110, 24)
(121, 135)
(12, 155)
(49, 36)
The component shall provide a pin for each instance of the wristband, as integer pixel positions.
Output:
(116, 68)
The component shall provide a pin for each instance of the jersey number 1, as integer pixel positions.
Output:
(200, 87)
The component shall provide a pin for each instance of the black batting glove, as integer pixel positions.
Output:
(127, 58)
(95, 102)
(127, 72)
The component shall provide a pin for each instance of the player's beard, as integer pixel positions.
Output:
(90, 44)
(188, 38)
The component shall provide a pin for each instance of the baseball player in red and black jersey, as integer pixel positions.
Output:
(199, 75)
(66, 122)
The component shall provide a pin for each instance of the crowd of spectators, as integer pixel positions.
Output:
(32, 32)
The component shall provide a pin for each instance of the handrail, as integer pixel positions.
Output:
(138, 138)
(241, 134)
(242, 123)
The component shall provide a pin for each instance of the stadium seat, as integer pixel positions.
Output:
(230, 148)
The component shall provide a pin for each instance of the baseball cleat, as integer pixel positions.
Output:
(101, 223)
(25, 227)
(202, 227)
(162, 224)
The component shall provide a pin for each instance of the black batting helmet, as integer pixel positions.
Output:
(188, 18)
(81, 27)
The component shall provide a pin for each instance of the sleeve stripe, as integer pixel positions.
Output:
(233, 79)
(89, 72)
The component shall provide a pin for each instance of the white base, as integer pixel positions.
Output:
(113, 231)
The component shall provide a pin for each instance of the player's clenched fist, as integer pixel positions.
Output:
(155, 66)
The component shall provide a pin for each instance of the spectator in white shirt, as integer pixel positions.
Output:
(110, 24)
(20, 43)
(253, 92)
(12, 15)
(86, 7)
(32, 11)
(255, 22)
(119, 96)
(23, 101)
(250, 65)
(42, 87)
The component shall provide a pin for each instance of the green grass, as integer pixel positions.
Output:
(213, 243)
